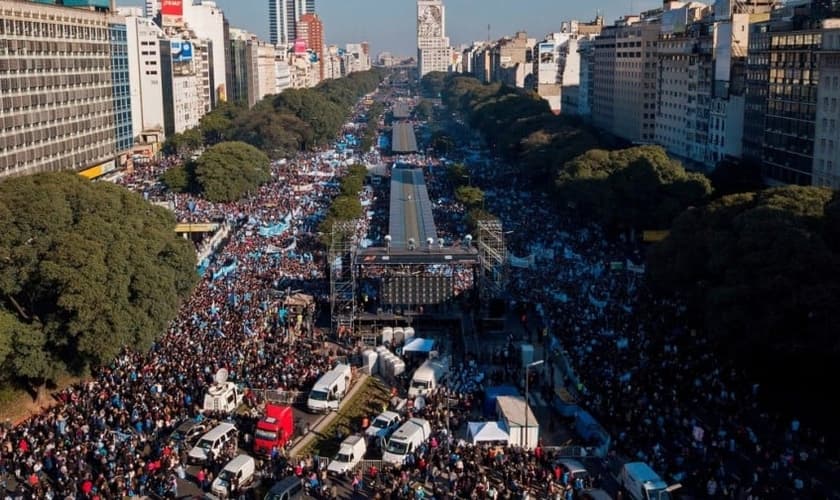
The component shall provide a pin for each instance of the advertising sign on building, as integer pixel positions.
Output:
(182, 57)
(546, 53)
(182, 51)
(172, 7)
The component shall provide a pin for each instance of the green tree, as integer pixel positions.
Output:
(87, 269)
(762, 274)
(216, 126)
(177, 179)
(635, 188)
(457, 174)
(229, 170)
(424, 110)
(472, 197)
(184, 143)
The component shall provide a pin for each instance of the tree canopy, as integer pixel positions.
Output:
(283, 124)
(518, 125)
(635, 188)
(229, 170)
(764, 270)
(347, 205)
(88, 268)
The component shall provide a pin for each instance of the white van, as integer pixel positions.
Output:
(428, 377)
(242, 469)
(405, 440)
(351, 451)
(214, 441)
(642, 483)
(575, 468)
(330, 389)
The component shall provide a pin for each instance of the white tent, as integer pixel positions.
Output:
(486, 432)
(419, 344)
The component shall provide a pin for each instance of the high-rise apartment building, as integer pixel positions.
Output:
(146, 80)
(206, 21)
(433, 51)
(310, 29)
(511, 59)
(283, 17)
(782, 93)
(151, 8)
(186, 68)
(827, 123)
(120, 78)
(252, 64)
(624, 100)
(56, 88)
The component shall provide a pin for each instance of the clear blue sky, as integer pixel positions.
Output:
(391, 24)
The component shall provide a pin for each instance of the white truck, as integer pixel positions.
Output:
(330, 389)
(351, 451)
(405, 440)
(642, 483)
(428, 377)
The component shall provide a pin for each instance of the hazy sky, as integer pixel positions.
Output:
(391, 24)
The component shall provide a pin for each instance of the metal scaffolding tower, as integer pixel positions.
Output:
(493, 258)
(343, 276)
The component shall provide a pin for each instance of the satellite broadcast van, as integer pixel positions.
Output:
(329, 390)
(405, 440)
(222, 396)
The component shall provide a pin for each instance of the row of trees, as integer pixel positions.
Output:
(760, 268)
(283, 124)
(517, 124)
(223, 173)
(87, 268)
(347, 205)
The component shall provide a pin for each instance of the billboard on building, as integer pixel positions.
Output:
(172, 8)
(546, 51)
(182, 57)
(182, 50)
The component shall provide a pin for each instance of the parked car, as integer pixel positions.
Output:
(189, 431)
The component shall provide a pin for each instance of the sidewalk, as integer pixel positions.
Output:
(327, 419)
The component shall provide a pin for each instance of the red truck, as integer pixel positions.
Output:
(274, 429)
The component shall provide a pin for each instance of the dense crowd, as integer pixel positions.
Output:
(107, 438)
(659, 388)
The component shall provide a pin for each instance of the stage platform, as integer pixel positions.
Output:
(411, 210)
(403, 138)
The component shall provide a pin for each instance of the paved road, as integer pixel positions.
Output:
(403, 140)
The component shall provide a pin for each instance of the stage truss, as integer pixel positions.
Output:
(342, 276)
(493, 257)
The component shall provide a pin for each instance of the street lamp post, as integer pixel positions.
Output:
(527, 399)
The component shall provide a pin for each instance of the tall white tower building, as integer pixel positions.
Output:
(283, 16)
(433, 51)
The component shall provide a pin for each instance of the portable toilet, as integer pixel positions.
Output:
(369, 361)
(398, 367)
(399, 335)
(408, 334)
(388, 335)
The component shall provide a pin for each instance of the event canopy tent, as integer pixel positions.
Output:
(419, 344)
(482, 432)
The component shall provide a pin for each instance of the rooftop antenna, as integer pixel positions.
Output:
(488, 33)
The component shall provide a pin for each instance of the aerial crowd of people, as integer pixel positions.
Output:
(656, 387)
